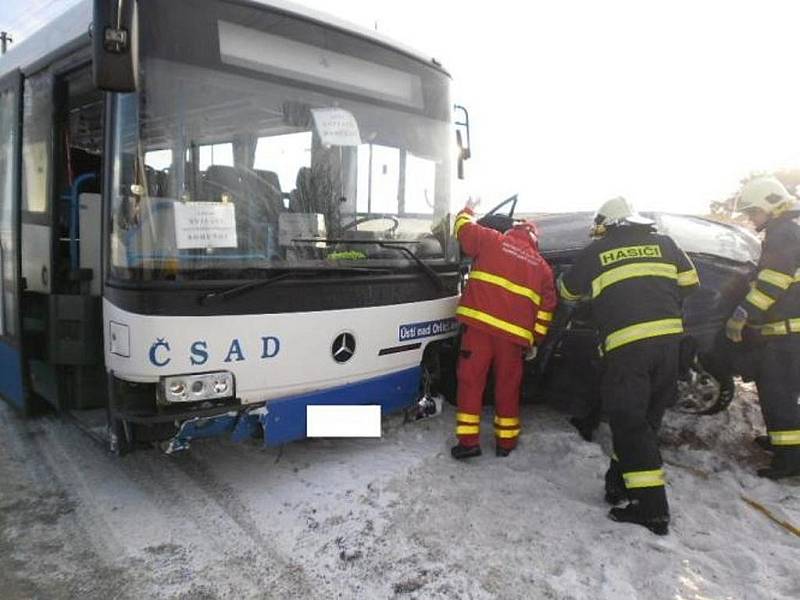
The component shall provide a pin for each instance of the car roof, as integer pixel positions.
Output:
(566, 233)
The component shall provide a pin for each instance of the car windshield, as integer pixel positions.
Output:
(699, 235)
(266, 151)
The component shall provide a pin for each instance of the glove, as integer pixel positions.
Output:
(735, 325)
(472, 203)
(530, 353)
(568, 305)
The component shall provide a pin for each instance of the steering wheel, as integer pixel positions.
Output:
(375, 217)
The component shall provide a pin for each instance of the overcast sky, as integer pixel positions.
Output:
(667, 102)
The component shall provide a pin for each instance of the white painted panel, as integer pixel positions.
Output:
(36, 257)
(277, 355)
(343, 421)
(91, 240)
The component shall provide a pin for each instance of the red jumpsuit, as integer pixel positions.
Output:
(507, 306)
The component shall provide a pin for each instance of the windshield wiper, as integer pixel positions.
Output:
(389, 245)
(212, 297)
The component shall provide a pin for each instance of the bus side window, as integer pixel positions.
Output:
(158, 164)
(378, 179)
(283, 155)
(9, 242)
(36, 143)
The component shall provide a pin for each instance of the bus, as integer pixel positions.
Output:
(215, 214)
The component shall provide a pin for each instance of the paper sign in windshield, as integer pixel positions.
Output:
(336, 127)
(205, 225)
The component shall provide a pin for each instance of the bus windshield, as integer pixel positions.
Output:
(258, 140)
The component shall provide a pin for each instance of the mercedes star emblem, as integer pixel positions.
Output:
(343, 348)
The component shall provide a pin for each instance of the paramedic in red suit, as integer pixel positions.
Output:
(506, 309)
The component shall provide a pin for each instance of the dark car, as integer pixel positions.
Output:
(567, 368)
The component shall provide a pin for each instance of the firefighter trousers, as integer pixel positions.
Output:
(778, 383)
(479, 352)
(640, 381)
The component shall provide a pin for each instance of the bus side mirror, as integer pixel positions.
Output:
(464, 152)
(115, 47)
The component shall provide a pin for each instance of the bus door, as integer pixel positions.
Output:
(12, 387)
(62, 133)
(74, 315)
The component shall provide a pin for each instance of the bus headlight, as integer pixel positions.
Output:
(195, 388)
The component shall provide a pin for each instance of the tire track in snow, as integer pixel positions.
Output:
(196, 491)
(164, 524)
(43, 530)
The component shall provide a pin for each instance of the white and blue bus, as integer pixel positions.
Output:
(215, 213)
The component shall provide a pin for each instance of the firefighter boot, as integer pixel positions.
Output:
(616, 492)
(632, 513)
(502, 452)
(460, 452)
(785, 463)
(648, 508)
(763, 442)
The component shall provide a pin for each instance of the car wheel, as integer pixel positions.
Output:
(701, 393)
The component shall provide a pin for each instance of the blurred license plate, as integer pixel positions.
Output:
(343, 421)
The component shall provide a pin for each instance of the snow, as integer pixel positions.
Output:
(390, 518)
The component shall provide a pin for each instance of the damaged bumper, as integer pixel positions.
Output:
(284, 419)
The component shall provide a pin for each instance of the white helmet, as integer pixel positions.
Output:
(617, 211)
(766, 193)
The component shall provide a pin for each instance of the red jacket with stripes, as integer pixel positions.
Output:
(510, 292)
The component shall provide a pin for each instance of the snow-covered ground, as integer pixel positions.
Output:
(395, 517)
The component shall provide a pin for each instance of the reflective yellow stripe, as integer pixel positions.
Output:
(618, 274)
(543, 315)
(785, 438)
(774, 329)
(759, 299)
(642, 331)
(495, 322)
(776, 278)
(687, 278)
(506, 433)
(779, 328)
(540, 329)
(565, 293)
(644, 479)
(467, 418)
(506, 421)
(468, 430)
(797, 276)
(460, 222)
(506, 284)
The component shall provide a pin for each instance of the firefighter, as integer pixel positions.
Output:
(769, 319)
(635, 280)
(505, 310)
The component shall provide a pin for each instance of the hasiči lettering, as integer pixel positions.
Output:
(617, 254)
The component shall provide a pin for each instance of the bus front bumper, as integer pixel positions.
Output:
(283, 420)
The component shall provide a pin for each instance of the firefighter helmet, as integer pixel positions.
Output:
(617, 211)
(526, 228)
(766, 193)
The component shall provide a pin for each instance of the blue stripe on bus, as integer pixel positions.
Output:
(285, 420)
(11, 375)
